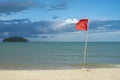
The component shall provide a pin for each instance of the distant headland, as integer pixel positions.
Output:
(15, 39)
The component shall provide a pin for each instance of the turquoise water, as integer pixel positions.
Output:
(54, 55)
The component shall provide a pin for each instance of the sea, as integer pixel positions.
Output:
(58, 55)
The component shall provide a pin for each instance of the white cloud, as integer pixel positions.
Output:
(101, 28)
(70, 21)
(62, 24)
(59, 25)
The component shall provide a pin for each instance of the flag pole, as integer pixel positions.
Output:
(83, 25)
(85, 50)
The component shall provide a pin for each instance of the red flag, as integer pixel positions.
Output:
(82, 25)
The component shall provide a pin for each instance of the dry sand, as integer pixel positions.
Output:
(72, 74)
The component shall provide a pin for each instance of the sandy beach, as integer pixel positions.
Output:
(71, 74)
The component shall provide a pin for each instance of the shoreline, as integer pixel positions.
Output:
(88, 66)
(70, 74)
(64, 68)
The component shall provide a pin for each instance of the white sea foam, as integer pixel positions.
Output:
(117, 65)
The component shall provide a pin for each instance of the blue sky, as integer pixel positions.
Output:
(54, 20)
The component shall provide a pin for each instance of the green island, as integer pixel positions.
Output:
(15, 39)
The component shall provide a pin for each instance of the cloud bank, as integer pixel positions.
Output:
(49, 29)
(13, 6)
